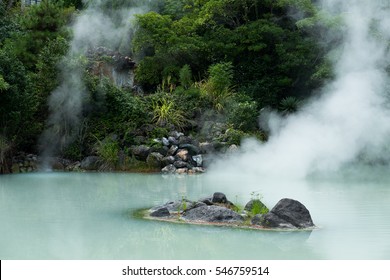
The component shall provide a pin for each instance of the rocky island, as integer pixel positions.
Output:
(287, 214)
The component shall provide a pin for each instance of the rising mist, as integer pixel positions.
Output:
(100, 24)
(349, 122)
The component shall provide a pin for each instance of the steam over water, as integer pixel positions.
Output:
(350, 121)
(96, 26)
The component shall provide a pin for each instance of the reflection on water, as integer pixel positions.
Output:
(88, 216)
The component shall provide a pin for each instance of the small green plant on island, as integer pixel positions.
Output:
(236, 206)
(182, 207)
(257, 207)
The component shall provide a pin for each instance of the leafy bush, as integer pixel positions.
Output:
(108, 151)
(217, 89)
(185, 76)
(232, 136)
(243, 115)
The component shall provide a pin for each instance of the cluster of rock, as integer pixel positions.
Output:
(286, 214)
(176, 153)
(24, 163)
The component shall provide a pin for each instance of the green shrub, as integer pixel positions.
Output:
(217, 88)
(108, 151)
(185, 76)
(243, 115)
(232, 136)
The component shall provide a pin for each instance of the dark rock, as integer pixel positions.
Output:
(185, 140)
(155, 160)
(207, 200)
(168, 160)
(173, 140)
(169, 169)
(180, 164)
(177, 206)
(172, 150)
(90, 163)
(290, 212)
(271, 220)
(141, 152)
(161, 212)
(219, 197)
(161, 150)
(212, 213)
(192, 149)
(255, 205)
(199, 204)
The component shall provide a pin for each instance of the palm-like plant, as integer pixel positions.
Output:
(165, 112)
(289, 105)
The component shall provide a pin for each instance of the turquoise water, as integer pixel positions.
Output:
(89, 216)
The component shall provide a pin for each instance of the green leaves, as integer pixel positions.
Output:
(3, 84)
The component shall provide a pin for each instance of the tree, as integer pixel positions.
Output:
(40, 24)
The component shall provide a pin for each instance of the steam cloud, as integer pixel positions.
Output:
(93, 27)
(349, 122)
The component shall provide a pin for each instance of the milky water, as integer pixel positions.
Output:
(90, 216)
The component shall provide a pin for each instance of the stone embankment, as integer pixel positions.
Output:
(174, 154)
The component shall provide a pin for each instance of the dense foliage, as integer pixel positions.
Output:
(198, 61)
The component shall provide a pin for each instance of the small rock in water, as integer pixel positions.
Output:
(212, 213)
(162, 212)
(219, 197)
(288, 212)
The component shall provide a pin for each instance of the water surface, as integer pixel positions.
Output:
(90, 216)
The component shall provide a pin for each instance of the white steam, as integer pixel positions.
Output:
(351, 119)
(92, 28)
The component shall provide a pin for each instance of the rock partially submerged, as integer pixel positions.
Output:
(287, 214)
(212, 214)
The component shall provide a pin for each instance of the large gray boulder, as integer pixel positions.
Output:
(212, 213)
(141, 152)
(155, 160)
(288, 213)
